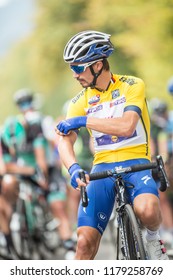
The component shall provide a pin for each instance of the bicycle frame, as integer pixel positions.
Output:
(136, 250)
(121, 202)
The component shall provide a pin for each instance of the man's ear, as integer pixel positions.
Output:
(99, 65)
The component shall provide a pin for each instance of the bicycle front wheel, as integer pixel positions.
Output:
(133, 242)
(25, 239)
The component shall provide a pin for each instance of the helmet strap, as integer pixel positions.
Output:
(96, 75)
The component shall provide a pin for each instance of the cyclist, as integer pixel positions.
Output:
(159, 118)
(169, 128)
(160, 123)
(24, 147)
(113, 108)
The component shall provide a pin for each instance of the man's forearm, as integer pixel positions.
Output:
(17, 169)
(123, 126)
(66, 151)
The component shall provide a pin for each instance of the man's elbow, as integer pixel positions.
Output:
(128, 131)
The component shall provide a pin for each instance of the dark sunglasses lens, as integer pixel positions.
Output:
(77, 68)
(25, 104)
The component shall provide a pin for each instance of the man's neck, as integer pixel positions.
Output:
(104, 81)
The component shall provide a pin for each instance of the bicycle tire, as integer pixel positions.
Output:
(113, 228)
(26, 246)
(115, 235)
(32, 240)
(135, 249)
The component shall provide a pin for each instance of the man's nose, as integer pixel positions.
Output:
(75, 75)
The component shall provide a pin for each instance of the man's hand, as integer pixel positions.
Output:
(41, 178)
(75, 178)
(65, 126)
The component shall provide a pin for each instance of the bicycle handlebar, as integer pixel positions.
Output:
(122, 170)
(159, 165)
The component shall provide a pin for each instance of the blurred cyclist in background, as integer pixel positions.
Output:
(160, 127)
(159, 118)
(24, 147)
(169, 128)
(169, 131)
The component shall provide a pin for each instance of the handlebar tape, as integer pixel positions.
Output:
(84, 196)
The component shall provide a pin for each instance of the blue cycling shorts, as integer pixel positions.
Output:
(101, 193)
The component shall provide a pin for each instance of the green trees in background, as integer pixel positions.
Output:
(142, 32)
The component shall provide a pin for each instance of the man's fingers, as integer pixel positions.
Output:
(80, 182)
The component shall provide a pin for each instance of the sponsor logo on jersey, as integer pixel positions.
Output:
(130, 81)
(75, 99)
(115, 93)
(95, 109)
(94, 99)
(114, 138)
(108, 139)
(117, 102)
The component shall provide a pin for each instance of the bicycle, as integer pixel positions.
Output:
(130, 243)
(35, 222)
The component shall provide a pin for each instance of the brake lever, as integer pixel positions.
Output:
(84, 195)
(164, 179)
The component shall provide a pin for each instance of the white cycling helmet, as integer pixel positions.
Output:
(88, 46)
(23, 95)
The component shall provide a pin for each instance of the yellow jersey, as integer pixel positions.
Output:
(124, 93)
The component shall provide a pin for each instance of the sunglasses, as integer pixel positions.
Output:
(25, 105)
(78, 69)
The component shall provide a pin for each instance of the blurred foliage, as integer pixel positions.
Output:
(142, 32)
